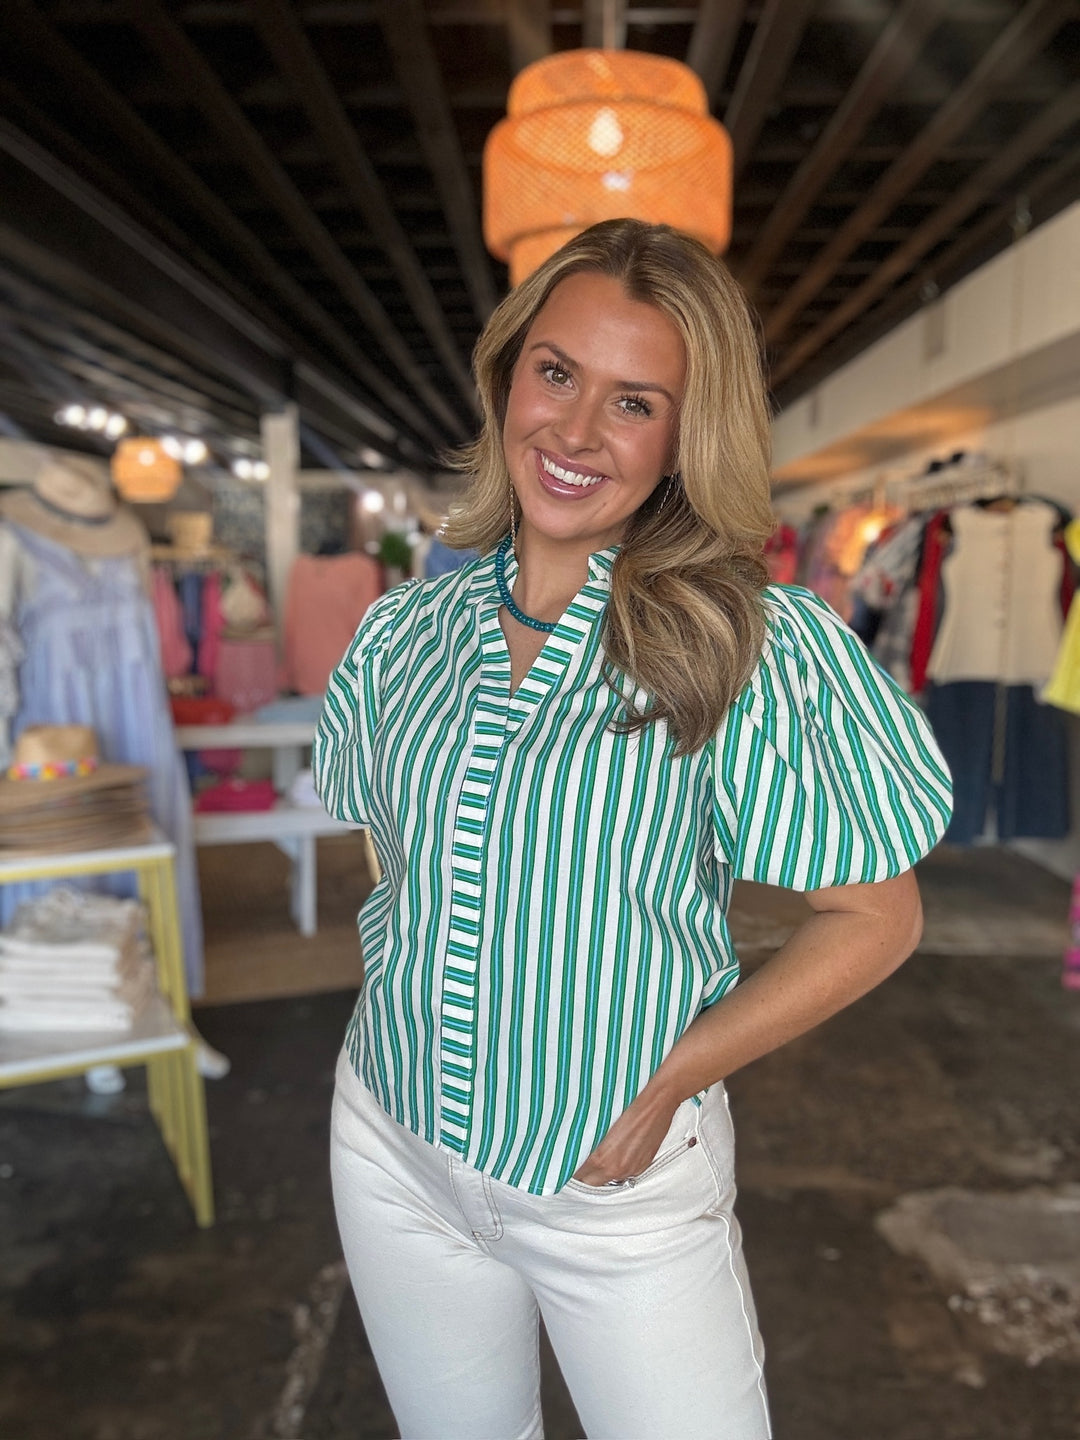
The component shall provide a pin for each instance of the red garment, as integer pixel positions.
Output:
(327, 598)
(1068, 582)
(782, 555)
(922, 639)
(200, 710)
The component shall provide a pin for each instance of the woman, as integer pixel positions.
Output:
(567, 752)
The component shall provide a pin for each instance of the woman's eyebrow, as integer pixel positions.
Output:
(572, 364)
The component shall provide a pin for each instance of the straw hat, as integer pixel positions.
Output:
(191, 533)
(71, 502)
(58, 795)
(63, 759)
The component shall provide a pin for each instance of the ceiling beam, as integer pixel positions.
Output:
(145, 311)
(198, 82)
(1058, 183)
(295, 58)
(772, 49)
(1029, 31)
(711, 44)
(1033, 140)
(896, 50)
(61, 339)
(528, 25)
(418, 72)
(146, 149)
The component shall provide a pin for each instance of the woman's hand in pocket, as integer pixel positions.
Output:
(631, 1144)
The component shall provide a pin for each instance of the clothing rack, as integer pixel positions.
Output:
(952, 484)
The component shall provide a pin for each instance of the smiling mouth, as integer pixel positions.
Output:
(578, 478)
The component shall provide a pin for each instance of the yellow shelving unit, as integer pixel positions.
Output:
(161, 1037)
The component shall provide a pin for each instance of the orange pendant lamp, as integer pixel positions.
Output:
(597, 135)
(144, 472)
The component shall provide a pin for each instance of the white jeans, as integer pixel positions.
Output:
(643, 1289)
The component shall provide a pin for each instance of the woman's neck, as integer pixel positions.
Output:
(550, 573)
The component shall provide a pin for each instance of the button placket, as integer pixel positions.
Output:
(457, 1039)
(498, 717)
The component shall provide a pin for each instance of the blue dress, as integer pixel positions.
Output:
(92, 658)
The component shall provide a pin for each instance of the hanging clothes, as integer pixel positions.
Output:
(1000, 629)
(782, 555)
(1008, 756)
(328, 596)
(1002, 580)
(92, 658)
(176, 653)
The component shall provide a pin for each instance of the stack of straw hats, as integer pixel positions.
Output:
(58, 796)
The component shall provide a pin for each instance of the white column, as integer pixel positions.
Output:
(281, 451)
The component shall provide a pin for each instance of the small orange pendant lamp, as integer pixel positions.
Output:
(597, 135)
(144, 472)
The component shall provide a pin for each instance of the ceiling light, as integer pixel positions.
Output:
(173, 446)
(73, 415)
(98, 418)
(260, 470)
(115, 426)
(370, 457)
(596, 135)
(243, 469)
(194, 452)
(372, 502)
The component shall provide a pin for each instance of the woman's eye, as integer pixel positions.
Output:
(555, 373)
(635, 405)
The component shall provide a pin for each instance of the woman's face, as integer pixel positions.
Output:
(593, 410)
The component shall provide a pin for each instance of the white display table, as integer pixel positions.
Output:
(294, 829)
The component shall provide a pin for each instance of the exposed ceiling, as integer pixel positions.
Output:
(211, 206)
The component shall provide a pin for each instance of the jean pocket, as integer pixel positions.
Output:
(653, 1171)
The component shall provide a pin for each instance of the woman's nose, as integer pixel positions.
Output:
(579, 425)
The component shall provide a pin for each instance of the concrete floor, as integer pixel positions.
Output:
(119, 1321)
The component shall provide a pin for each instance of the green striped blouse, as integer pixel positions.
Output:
(551, 914)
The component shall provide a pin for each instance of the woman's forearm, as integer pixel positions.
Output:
(852, 942)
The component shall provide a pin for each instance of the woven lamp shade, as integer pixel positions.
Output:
(144, 472)
(598, 135)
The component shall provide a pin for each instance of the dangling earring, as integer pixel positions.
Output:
(513, 518)
(672, 481)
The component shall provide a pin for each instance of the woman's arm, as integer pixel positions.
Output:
(858, 935)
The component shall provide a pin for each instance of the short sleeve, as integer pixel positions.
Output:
(824, 772)
(341, 754)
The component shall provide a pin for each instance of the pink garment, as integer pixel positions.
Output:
(246, 673)
(328, 595)
(236, 795)
(175, 650)
(212, 625)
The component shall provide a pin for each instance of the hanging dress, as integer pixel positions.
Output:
(92, 657)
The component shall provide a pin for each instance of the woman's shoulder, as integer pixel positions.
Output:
(413, 603)
(801, 624)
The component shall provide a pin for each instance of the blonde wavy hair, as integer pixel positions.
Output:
(685, 620)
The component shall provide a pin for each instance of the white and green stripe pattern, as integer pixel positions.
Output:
(551, 914)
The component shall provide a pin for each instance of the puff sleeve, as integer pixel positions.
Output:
(341, 754)
(824, 772)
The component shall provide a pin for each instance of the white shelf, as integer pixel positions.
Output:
(110, 858)
(285, 821)
(245, 735)
(26, 1053)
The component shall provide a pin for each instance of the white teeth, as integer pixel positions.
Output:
(569, 477)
